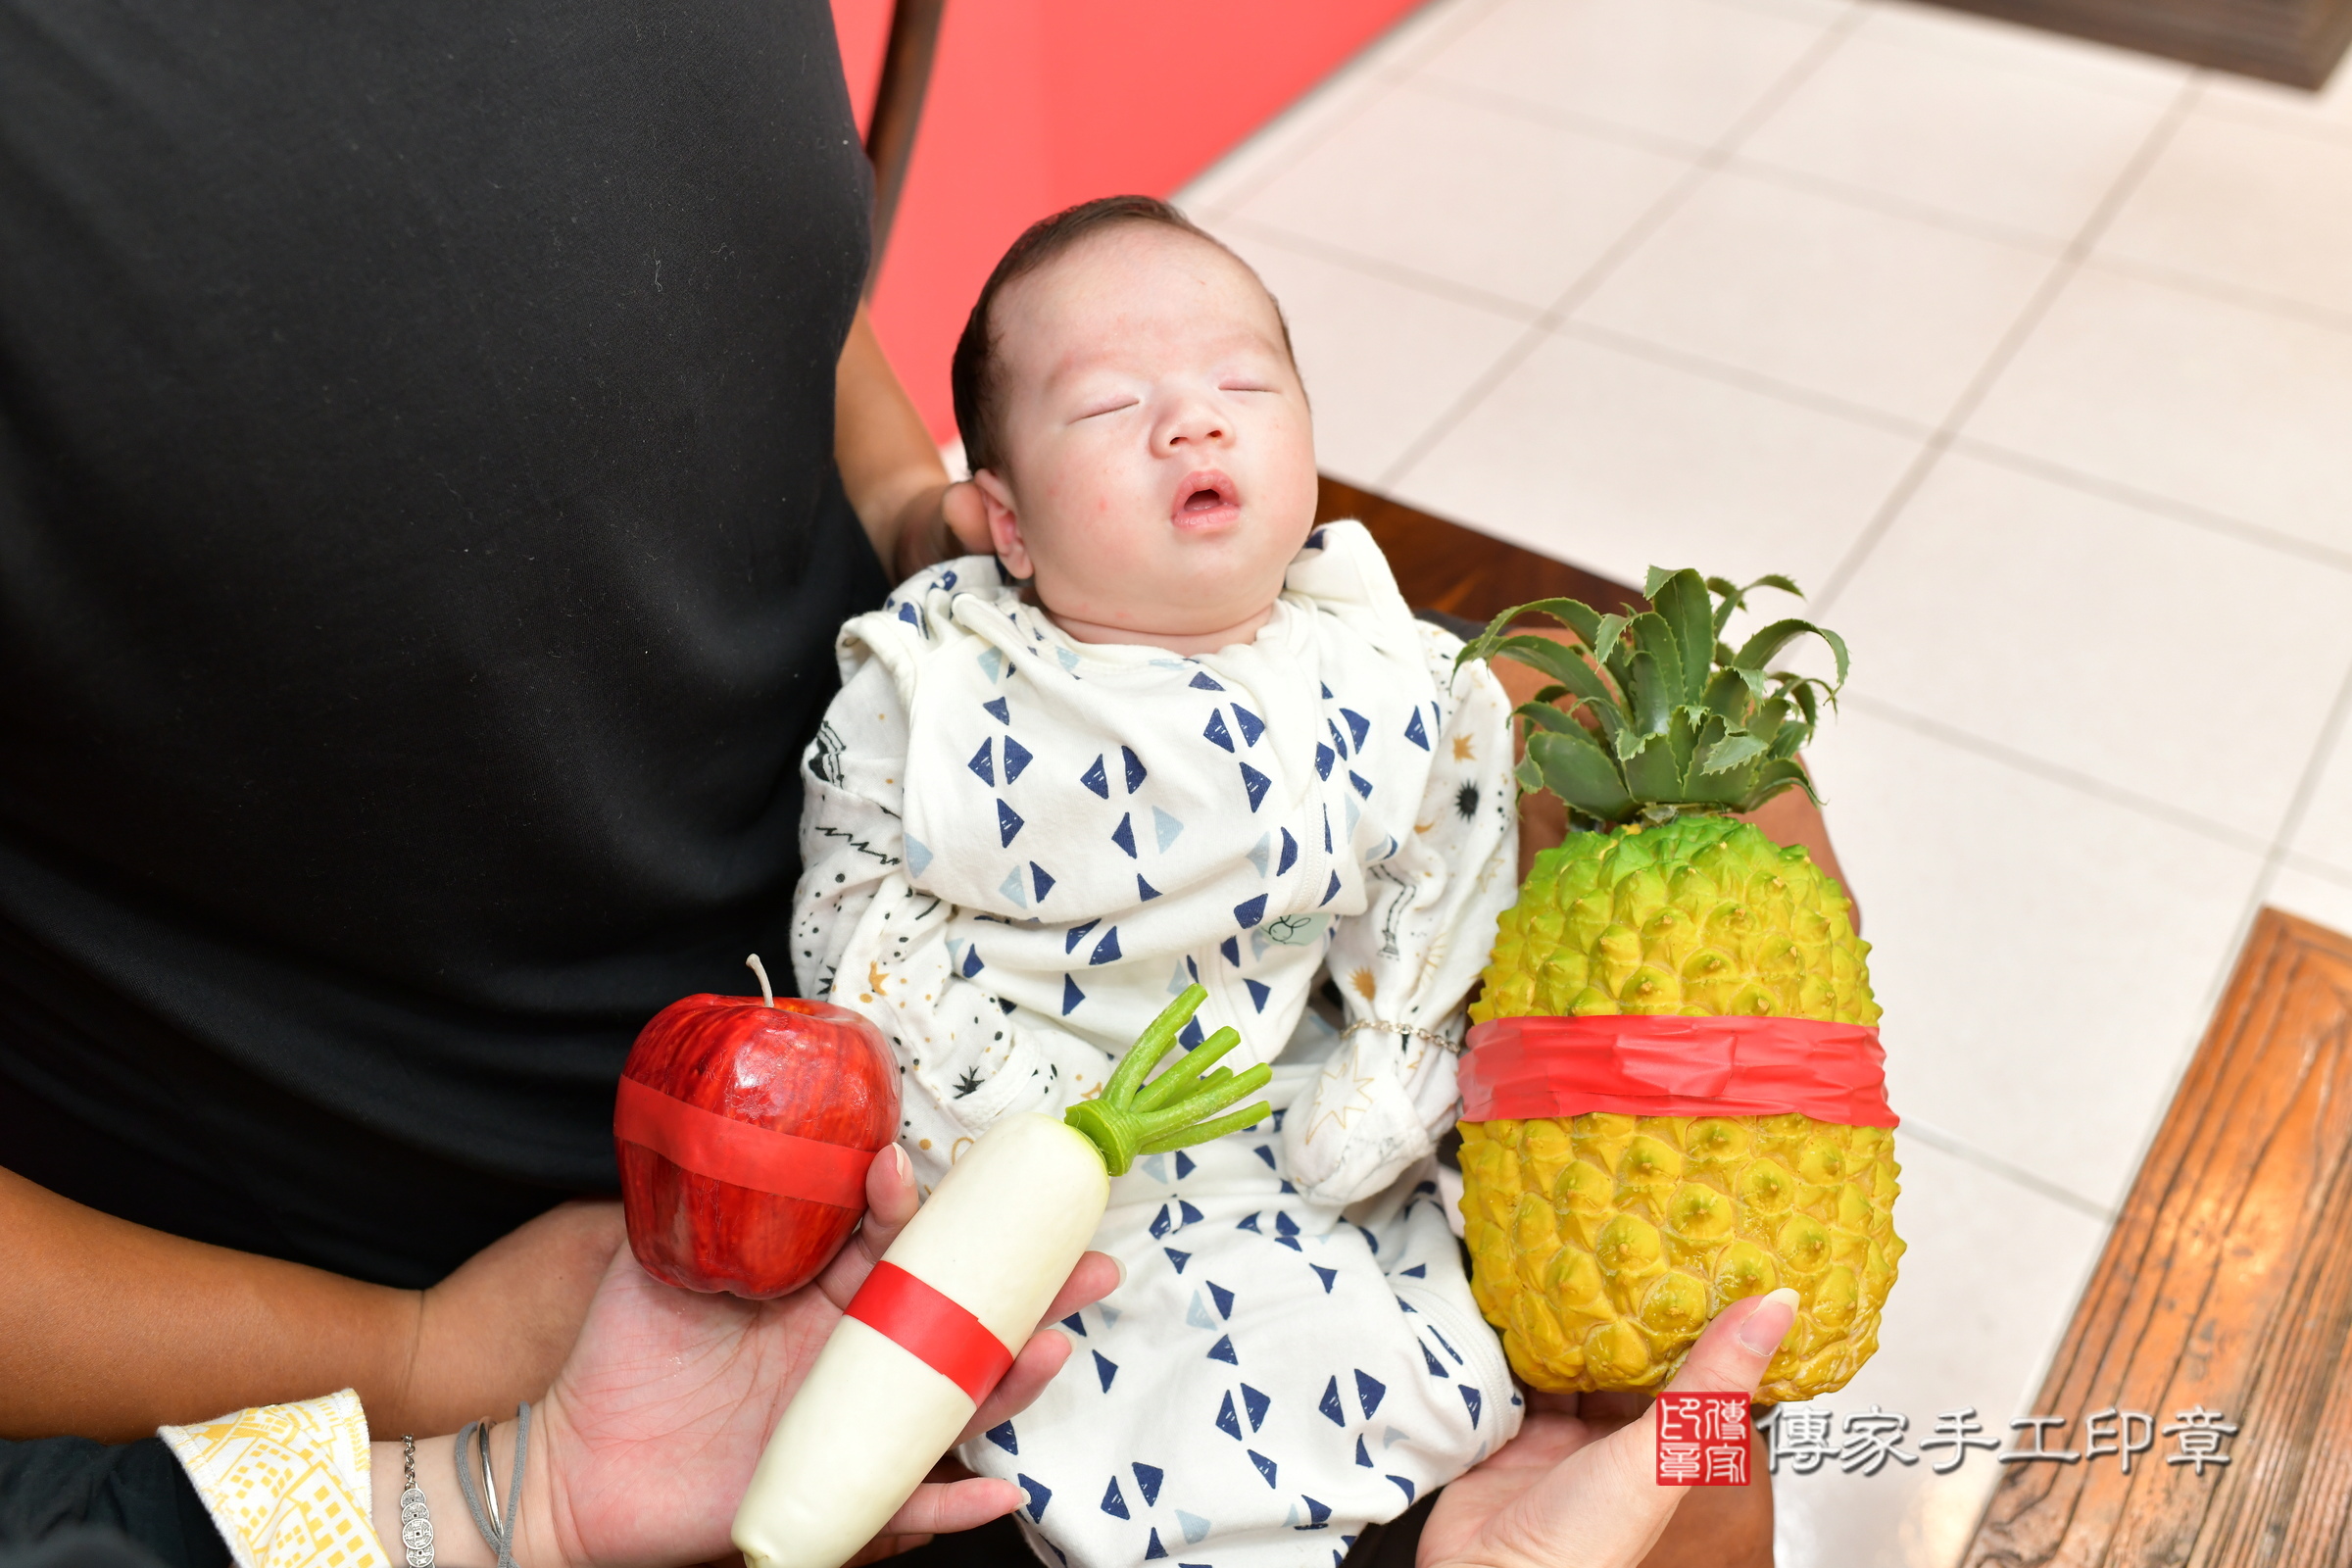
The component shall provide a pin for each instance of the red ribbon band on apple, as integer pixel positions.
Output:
(929, 1325)
(729, 1150)
(1520, 1069)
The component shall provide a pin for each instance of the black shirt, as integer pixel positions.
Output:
(420, 558)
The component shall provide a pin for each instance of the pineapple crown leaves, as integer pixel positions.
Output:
(1680, 720)
(1131, 1117)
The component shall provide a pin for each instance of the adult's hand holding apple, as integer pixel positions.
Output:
(644, 1445)
(744, 1127)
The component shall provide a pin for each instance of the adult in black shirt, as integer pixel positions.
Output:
(422, 541)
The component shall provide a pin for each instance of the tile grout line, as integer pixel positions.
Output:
(1386, 272)
(1393, 74)
(2181, 512)
(1631, 240)
(2028, 322)
(2298, 806)
(1960, 1149)
(2081, 783)
(2284, 306)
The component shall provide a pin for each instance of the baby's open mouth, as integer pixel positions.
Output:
(1206, 497)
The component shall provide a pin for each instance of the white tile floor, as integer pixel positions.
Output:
(2034, 360)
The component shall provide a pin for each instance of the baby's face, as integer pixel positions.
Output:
(1160, 465)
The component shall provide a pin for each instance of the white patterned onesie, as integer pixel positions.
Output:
(1019, 847)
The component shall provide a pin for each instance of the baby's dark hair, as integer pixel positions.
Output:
(972, 375)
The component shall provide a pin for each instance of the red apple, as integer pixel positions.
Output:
(805, 1068)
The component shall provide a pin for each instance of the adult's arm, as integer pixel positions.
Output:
(892, 474)
(108, 1330)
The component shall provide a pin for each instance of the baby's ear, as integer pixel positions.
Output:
(1003, 521)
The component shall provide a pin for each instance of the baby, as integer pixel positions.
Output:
(1174, 732)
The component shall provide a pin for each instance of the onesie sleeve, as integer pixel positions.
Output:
(1405, 965)
(867, 937)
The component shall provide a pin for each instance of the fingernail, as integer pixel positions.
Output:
(1769, 1323)
(905, 1166)
(1119, 1264)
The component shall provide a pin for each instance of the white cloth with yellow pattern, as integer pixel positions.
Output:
(287, 1485)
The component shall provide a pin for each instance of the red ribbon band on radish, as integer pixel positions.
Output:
(1520, 1069)
(729, 1150)
(928, 1325)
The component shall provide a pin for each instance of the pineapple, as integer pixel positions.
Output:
(1601, 1244)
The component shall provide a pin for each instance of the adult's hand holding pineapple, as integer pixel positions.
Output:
(1673, 1096)
(1573, 1491)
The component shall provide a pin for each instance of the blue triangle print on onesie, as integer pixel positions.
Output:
(1043, 880)
(1077, 934)
(1216, 732)
(1251, 726)
(1357, 725)
(1097, 779)
(1369, 1391)
(1002, 1435)
(1107, 950)
(1222, 1350)
(1105, 1369)
(1363, 785)
(1075, 1323)
(1135, 770)
(1147, 1482)
(1201, 682)
(1259, 991)
(1017, 757)
(1155, 1548)
(1010, 887)
(1165, 828)
(971, 963)
(1337, 739)
(1290, 853)
(1332, 892)
(1330, 1406)
(1184, 1164)
(997, 709)
(1190, 1035)
(1114, 1504)
(1145, 892)
(1324, 758)
(918, 856)
(1471, 1399)
(1436, 1368)
(1414, 732)
(1193, 1528)
(1195, 1315)
(1039, 1495)
(1009, 823)
(1231, 948)
(1326, 1275)
(1407, 1486)
(982, 765)
(1265, 1466)
(1255, 784)
(1176, 1260)
(1256, 1404)
(1222, 1297)
(1124, 835)
(1317, 1513)
(1227, 1421)
(1361, 1457)
(1071, 996)
(1250, 912)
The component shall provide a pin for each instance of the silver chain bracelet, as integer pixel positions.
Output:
(415, 1514)
(1409, 1031)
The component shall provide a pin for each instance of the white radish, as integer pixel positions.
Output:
(998, 1238)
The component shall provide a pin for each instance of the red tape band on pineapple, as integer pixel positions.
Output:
(1520, 1069)
(758, 1157)
(928, 1325)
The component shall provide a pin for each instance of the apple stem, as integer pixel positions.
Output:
(1130, 1119)
(767, 993)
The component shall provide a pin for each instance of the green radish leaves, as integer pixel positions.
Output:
(1655, 715)
(1133, 1117)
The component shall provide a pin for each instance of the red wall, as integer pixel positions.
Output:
(1036, 104)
